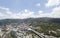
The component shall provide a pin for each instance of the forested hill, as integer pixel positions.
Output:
(8, 21)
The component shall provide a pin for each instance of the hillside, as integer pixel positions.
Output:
(48, 26)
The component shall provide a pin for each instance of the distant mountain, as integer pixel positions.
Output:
(8, 21)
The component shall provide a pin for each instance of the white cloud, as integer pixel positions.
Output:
(38, 4)
(7, 10)
(43, 14)
(26, 10)
(21, 15)
(25, 14)
(55, 13)
(1, 14)
(4, 8)
(52, 3)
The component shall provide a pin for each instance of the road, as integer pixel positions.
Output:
(37, 33)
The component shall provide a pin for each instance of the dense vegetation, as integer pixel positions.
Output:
(47, 26)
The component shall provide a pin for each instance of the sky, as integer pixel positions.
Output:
(21, 9)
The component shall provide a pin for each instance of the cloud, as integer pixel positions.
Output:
(55, 13)
(4, 8)
(38, 4)
(7, 10)
(26, 10)
(20, 15)
(52, 3)
(43, 14)
(25, 14)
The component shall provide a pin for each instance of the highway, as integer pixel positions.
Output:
(37, 33)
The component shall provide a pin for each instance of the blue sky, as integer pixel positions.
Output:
(17, 5)
(29, 8)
